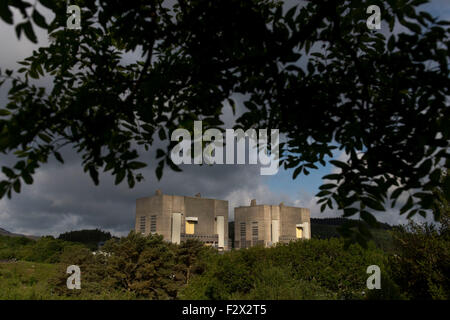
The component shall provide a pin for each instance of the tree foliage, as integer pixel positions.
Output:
(138, 267)
(313, 269)
(45, 249)
(90, 238)
(421, 266)
(316, 73)
(135, 267)
(144, 265)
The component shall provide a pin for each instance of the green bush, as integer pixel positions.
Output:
(9, 246)
(389, 290)
(139, 267)
(46, 249)
(421, 266)
(95, 282)
(133, 266)
(278, 283)
(335, 268)
(313, 269)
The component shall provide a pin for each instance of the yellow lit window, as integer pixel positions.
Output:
(190, 227)
(299, 232)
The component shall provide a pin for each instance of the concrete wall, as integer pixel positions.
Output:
(290, 217)
(275, 223)
(153, 206)
(204, 210)
(249, 215)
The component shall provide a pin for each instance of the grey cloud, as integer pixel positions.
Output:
(63, 196)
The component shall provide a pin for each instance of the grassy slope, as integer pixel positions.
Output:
(25, 280)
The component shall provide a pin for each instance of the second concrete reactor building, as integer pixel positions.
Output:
(179, 218)
(269, 224)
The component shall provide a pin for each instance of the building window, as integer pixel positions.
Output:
(243, 235)
(153, 224)
(255, 232)
(190, 227)
(142, 224)
(299, 233)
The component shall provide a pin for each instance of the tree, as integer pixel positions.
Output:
(443, 204)
(422, 266)
(143, 265)
(90, 238)
(189, 258)
(382, 100)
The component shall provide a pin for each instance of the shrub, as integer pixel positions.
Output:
(313, 269)
(278, 283)
(9, 246)
(421, 266)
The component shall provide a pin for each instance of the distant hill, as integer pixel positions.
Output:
(326, 228)
(340, 221)
(91, 238)
(6, 233)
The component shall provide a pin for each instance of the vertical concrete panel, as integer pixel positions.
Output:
(136, 220)
(176, 227)
(273, 214)
(221, 231)
(275, 231)
(222, 210)
(307, 230)
(166, 226)
(237, 220)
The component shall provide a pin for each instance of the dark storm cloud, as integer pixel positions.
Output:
(63, 197)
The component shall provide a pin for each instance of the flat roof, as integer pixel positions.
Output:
(192, 197)
(271, 205)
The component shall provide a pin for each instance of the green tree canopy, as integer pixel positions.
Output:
(315, 72)
(91, 238)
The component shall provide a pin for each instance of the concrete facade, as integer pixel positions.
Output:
(178, 218)
(267, 225)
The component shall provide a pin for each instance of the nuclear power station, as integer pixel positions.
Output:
(267, 225)
(179, 218)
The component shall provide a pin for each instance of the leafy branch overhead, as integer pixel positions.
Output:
(315, 72)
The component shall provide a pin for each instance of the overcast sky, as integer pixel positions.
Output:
(63, 198)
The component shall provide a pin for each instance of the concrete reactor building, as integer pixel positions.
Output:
(179, 218)
(269, 224)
